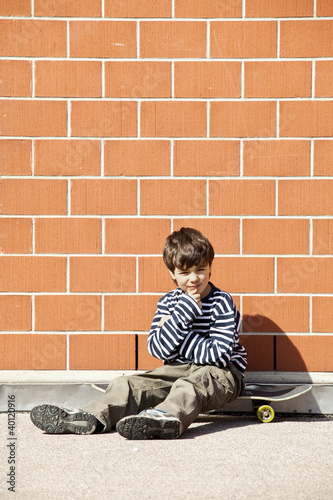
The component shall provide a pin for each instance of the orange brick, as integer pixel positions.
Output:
(154, 276)
(15, 78)
(69, 8)
(33, 38)
(136, 236)
(102, 274)
(104, 197)
(276, 158)
(243, 39)
(324, 79)
(241, 197)
(322, 319)
(15, 235)
(244, 274)
(15, 8)
(136, 157)
(309, 38)
(67, 157)
(129, 312)
(145, 360)
(207, 79)
(68, 79)
(33, 274)
(70, 235)
(243, 119)
(67, 312)
(324, 8)
(15, 313)
(278, 79)
(138, 79)
(275, 236)
(102, 39)
(260, 352)
(172, 39)
(173, 119)
(33, 197)
(173, 197)
(306, 118)
(102, 352)
(15, 157)
(32, 352)
(279, 8)
(305, 197)
(322, 236)
(33, 118)
(104, 119)
(304, 353)
(139, 8)
(304, 275)
(204, 158)
(275, 314)
(222, 233)
(208, 8)
(323, 157)
(22, 196)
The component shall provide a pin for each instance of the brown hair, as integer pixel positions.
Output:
(186, 248)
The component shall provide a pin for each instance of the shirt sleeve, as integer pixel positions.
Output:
(216, 346)
(165, 342)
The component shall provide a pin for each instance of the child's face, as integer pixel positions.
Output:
(194, 279)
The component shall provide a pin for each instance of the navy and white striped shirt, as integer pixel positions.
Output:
(207, 335)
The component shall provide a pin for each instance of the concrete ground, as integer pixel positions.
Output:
(219, 457)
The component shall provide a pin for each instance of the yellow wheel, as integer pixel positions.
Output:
(265, 414)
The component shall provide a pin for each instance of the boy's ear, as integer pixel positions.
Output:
(173, 276)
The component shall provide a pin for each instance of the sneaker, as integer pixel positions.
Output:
(149, 424)
(57, 420)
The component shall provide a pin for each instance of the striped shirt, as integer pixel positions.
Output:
(207, 335)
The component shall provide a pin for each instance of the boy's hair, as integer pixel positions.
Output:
(186, 248)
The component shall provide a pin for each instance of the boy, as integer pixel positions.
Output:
(195, 331)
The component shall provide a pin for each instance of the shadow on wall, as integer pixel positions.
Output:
(266, 351)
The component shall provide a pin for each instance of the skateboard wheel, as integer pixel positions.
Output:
(265, 413)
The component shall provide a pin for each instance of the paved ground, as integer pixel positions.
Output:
(220, 457)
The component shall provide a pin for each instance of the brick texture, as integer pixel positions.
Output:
(134, 157)
(102, 352)
(32, 352)
(122, 121)
(243, 39)
(67, 157)
(15, 157)
(172, 39)
(276, 158)
(68, 79)
(15, 78)
(33, 196)
(15, 235)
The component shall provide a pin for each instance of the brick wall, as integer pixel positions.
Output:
(124, 120)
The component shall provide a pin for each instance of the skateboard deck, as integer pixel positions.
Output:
(261, 396)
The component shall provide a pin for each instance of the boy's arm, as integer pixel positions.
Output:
(165, 340)
(216, 347)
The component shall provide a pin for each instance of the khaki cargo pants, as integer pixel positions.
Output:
(183, 390)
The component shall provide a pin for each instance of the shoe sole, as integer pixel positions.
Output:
(137, 427)
(56, 420)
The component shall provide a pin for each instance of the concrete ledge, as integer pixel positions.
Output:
(103, 377)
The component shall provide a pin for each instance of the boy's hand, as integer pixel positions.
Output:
(196, 296)
(163, 320)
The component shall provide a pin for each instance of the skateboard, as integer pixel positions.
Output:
(262, 395)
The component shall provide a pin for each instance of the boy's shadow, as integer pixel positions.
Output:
(268, 347)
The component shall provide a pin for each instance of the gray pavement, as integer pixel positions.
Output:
(219, 457)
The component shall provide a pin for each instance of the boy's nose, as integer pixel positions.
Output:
(193, 278)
